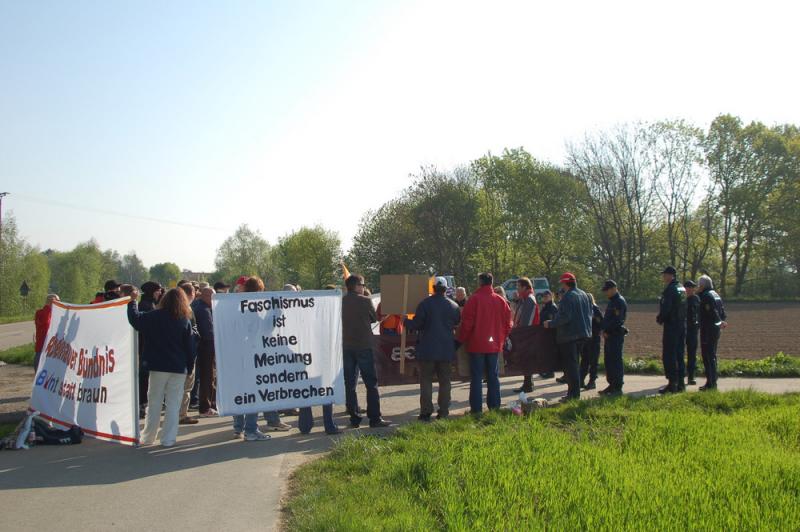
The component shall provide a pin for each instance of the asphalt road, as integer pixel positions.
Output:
(208, 478)
(14, 334)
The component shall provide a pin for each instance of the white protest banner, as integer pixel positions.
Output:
(278, 350)
(86, 374)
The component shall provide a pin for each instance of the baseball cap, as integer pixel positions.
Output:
(241, 280)
(110, 285)
(670, 270)
(567, 277)
(440, 281)
(609, 285)
(220, 285)
(690, 284)
(151, 287)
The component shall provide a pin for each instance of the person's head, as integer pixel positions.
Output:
(127, 290)
(355, 283)
(546, 297)
(152, 290)
(289, 288)
(50, 298)
(440, 286)
(202, 285)
(111, 286)
(485, 279)
(221, 288)
(568, 281)
(253, 284)
(205, 295)
(188, 289)
(239, 286)
(524, 285)
(176, 304)
(668, 275)
(330, 287)
(461, 293)
(705, 283)
(610, 288)
(691, 287)
(500, 291)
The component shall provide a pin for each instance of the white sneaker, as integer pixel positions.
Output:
(211, 413)
(257, 436)
(279, 427)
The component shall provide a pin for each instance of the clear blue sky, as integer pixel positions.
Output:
(283, 114)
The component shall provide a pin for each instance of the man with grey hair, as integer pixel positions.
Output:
(461, 296)
(712, 321)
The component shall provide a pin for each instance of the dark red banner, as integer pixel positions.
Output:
(533, 350)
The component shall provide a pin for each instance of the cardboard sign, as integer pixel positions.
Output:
(392, 291)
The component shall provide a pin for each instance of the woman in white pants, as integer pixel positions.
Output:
(169, 355)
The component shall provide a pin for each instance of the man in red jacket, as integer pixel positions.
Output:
(485, 323)
(42, 321)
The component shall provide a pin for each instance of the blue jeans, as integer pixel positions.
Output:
(362, 360)
(478, 364)
(272, 417)
(306, 420)
(246, 422)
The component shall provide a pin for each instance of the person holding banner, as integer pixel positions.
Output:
(358, 315)
(435, 319)
(485, 324)
(42, 321)
(169, 355)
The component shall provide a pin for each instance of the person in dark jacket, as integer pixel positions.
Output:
(525, 315)
(573, 325)
(546, 313)
(692, 328)
(151, 295)
(614, 332)
(185, 419)
(672, 317)
(485, 324)
(590, 355)
(205, 353)
(712, 321)
(435, 320)
(169, 356)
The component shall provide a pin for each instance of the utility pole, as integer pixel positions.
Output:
(2, 257)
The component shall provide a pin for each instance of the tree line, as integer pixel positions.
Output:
(625, 202)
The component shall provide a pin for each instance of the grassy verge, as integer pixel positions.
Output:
(6, 429)
(693, 461)
(18, 355)
(15, 319)
(779, 365)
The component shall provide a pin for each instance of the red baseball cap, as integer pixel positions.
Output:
(567, 277)
(241, 280)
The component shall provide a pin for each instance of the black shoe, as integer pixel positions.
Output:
(425, 419)
(333, 432)
(707, 387)
(378, 423)
(667, 389)
(590, 385)
(605, 391)
(362, 411)
(523, 389)
(681, 388)
(548, 375)
(442, 416)
(690, 381)
(355, 422)
(616, 392)
(562, 380)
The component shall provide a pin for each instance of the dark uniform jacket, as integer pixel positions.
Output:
(672, 306)
(712, 313)
(435, 318)
(548, 312)
(573, 320)
(616, 313)
(170, 342)
(597, 321)
(693, 312)
(205, 326)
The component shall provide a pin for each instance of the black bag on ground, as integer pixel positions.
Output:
(47, 434)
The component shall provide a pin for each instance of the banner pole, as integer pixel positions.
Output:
(135, 373)
(403, 327)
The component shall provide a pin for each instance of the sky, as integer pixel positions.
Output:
(160, 127)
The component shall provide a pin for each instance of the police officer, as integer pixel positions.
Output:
(672, 317)
(692, 327)
(712, 321)
(614, 332)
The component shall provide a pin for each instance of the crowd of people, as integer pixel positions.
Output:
(177, 359)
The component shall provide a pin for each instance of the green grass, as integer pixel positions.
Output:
(15, 319)
(18, 355)
(779, 365)
(6, 429)
(693, 461)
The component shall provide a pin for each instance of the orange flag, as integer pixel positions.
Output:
(345, 271)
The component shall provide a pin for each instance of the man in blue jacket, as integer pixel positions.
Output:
(573, 324)
(672, 317)
(614, 332)
(434, 320)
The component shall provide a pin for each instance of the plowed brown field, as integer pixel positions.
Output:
(755, 330)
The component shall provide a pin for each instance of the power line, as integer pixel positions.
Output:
(95, 210)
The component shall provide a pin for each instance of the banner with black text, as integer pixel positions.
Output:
(278, 350)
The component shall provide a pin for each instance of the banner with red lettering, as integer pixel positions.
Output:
(86, 374)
